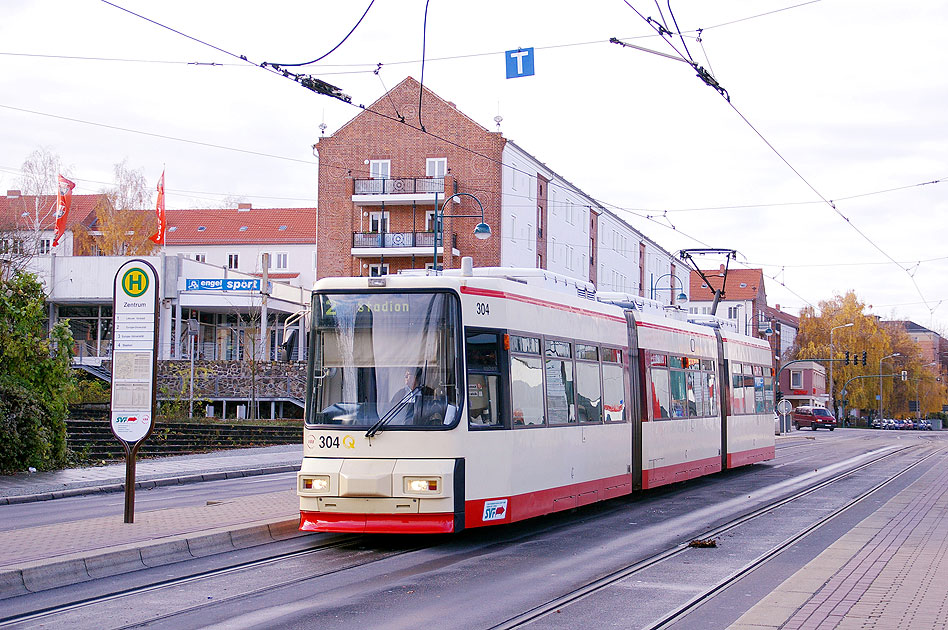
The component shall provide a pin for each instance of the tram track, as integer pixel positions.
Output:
(38, 615)
(557, 604)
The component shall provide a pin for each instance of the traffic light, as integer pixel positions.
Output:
(863, 357)
(846, 360)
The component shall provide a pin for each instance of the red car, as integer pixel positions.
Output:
(813, 417)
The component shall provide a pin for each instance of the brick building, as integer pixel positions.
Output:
(744, 302)
(381, 178)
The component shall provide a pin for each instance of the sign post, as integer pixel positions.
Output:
(784, 407)
(134, 358)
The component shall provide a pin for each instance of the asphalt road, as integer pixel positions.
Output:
(482, 578)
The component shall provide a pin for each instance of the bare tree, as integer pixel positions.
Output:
(38, 184)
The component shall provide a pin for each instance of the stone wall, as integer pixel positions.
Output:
(231, 379)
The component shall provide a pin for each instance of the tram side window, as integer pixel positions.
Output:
(712, 395)
(483, 380)
(737, 388)
(613, 386)
(750, 393)
(659, 394)
(559, 382)
(526, 381)
(588, 384)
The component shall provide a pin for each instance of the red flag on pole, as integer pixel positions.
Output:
(159, 236)
(63, 202)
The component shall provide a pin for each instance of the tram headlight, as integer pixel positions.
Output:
(317, 484)
(422, 485)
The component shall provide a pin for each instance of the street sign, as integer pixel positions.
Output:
(519, 63)
(134, 353)
(784, 407)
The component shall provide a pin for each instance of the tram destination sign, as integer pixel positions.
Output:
(134, 355)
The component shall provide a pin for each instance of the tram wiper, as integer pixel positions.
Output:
(391, 413)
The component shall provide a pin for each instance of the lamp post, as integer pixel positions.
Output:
(681, 297)
(481, 230)
(889, 356)
(833, 356)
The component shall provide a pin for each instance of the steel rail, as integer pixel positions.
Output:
(607, 580)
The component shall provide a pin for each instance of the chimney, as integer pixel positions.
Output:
(243, 207)
(13, 194)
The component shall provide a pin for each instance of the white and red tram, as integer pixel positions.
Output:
(438, 403)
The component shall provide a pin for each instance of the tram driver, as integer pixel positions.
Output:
(419, 407)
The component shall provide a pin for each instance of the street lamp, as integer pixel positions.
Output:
(681, 297)
(481, 230)
(833, 356)
(889, 356)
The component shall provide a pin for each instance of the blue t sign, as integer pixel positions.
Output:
(519, 63)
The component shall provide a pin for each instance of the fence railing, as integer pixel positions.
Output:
(397, 239)
(399, 185)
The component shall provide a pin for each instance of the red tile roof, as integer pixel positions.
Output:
(82, 210)
(771, 313)
(742, 284)
(226, 226)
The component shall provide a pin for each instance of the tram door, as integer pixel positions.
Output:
(635, 388)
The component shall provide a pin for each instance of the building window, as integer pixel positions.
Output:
(278, 260)
(732, 312)
(199, 257)
(436, 167)
(378, 222)
(380, 169)
(378, 270)
(796, 379)
(45, 246)
(232, 261)
(429, 221)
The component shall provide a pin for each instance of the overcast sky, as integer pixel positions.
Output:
(851, 94)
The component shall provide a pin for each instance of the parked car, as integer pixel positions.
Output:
(924, 425)
(813, 417)
(878, 423)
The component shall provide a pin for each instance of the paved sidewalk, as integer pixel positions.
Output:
(887, 573)
(25, 487)
(47, 556)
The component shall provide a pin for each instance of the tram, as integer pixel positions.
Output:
(485, 396)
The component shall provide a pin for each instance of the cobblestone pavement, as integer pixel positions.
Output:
(887, 573)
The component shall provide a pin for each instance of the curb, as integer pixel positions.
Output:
(42, 575)
(148, 484)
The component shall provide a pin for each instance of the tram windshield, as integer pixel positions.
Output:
(384, 356)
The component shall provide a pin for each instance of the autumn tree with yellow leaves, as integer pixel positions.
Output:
(123, 222)
(877, 340)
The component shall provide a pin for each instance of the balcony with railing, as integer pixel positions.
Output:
(371, 244)
(398, 190)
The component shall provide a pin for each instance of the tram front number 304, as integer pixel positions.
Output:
(328, 441)
(483, 308)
